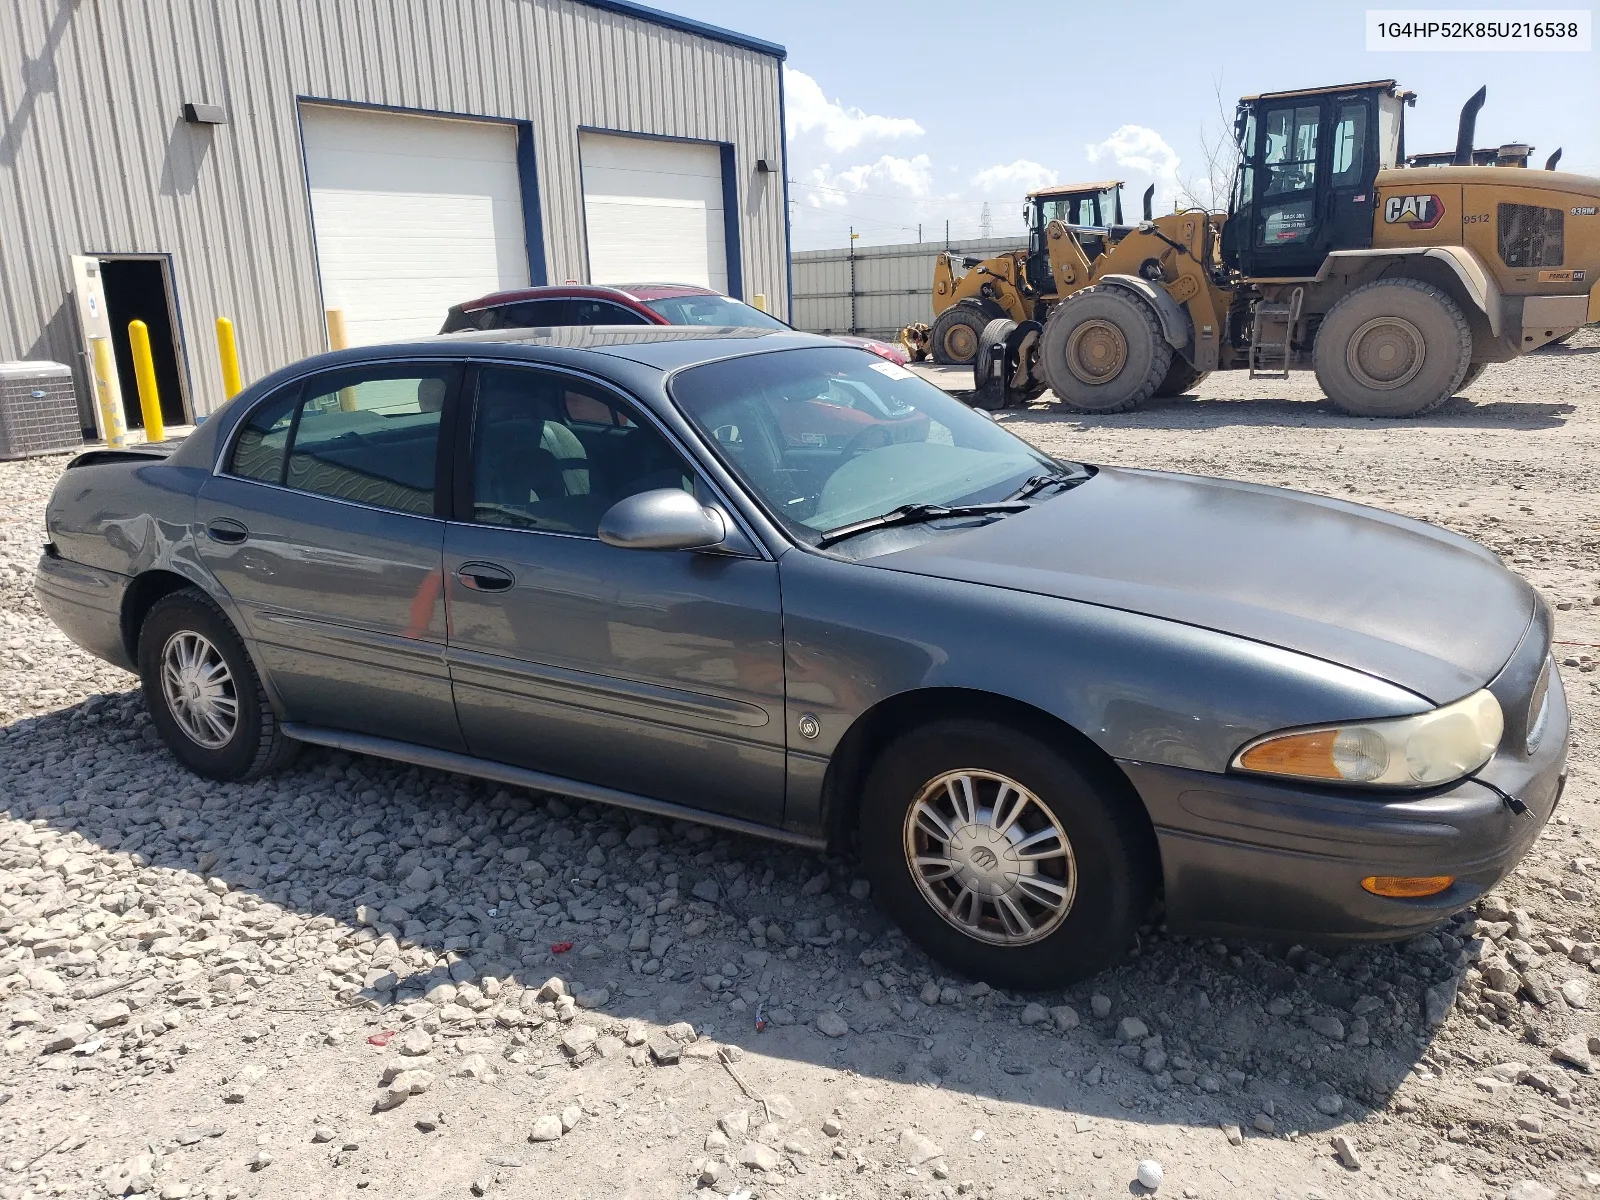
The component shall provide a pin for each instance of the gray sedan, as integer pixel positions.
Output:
(767, 582)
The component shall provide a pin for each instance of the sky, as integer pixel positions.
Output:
(905, 115)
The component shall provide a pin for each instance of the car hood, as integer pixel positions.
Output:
(1403, 601)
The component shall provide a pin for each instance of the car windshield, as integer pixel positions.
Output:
(827, 437)
(712, 310)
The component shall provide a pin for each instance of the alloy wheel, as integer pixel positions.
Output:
(199, 689)
(990, 857)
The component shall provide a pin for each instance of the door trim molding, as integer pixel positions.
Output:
(483, 768)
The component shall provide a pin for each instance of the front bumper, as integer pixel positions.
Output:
(86, 604)
(1274, 859)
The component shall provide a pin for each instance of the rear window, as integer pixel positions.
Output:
(712, 310)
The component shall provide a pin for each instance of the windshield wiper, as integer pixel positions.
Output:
(1035, 484)
(914, 514)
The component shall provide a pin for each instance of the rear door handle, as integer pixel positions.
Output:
(227, 531)
(484, 577)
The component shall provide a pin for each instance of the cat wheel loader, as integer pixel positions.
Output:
(969, 292)
(1396, 285)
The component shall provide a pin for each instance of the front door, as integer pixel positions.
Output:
(322, 528)
(1286, 226)
(654, 672)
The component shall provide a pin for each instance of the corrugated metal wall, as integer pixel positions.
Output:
(893, 285)
(95, 156)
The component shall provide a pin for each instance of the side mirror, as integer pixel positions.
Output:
(665, 519)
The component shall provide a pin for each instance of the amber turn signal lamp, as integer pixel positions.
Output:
(1305, 754)
(1407, 887)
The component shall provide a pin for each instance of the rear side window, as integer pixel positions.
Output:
(603, 312)
(369, 435)
(1531, 236)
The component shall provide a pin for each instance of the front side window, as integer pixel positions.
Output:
(712, 310)
(1531, 236)
(1349, 145)
(366, 434)
(552, 453)
(825, 437)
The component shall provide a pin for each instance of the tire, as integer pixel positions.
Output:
(986, 394)
(1475, 370)
(1106, 867)
(189, 624)
(1103, 351)
(961, 323)
(1181, 376)
(1392, 348)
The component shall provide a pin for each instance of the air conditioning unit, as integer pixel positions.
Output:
(38, 409)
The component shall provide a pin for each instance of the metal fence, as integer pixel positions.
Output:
(878, 290)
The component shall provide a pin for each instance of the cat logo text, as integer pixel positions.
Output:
(1419, 212)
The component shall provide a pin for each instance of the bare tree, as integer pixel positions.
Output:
(1219, 151)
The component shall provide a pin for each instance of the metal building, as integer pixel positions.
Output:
(179, 161)
(879, 290)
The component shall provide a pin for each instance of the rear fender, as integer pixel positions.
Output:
(1478, 287)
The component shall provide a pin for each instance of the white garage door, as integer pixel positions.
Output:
(653, 210)
(412, 214)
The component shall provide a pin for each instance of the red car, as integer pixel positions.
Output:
(626, 304)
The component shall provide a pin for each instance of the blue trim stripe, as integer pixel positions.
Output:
(532, 212)
(716, 33)
(730, 220)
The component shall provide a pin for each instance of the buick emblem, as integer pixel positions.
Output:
(984, 858)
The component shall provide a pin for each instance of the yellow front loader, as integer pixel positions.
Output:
(970, 292)
(1396, 285)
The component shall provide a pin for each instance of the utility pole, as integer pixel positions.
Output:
(853, 236)
(947, 233)
(919, 232)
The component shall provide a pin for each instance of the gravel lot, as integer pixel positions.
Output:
(335, 980)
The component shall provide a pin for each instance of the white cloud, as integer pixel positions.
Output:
(1019, 177)
(1141, 151)
(890, 177)
(809, 110)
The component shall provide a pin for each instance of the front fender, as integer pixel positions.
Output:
(1141, 688)
(1175, 324)
(1479, 286)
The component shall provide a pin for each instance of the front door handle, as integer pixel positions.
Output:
(227, 531)
(484, 577)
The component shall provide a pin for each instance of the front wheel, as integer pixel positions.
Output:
(1103, 351)
(204, 696)
(1002, 857)
(956, 334)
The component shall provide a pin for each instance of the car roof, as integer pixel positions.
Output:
(588, 291)
(664, 347)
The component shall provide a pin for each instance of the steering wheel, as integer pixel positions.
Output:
(873, 437)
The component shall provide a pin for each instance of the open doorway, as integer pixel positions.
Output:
(139, 287)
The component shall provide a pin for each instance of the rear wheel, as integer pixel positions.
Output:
(956, 334)
(1181, 377)
(1002, 857)
(1102, 351)
(203, 693)
(1393, 348)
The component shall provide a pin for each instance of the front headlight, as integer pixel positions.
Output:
(1430, 748)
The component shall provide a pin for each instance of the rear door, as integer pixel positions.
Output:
(323, 526)
(654, 672)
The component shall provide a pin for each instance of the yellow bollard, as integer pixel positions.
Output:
(144, 373)
(337, 338)
(228, 349)
(108, 394)
(759, 301)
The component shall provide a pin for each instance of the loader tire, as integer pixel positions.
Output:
(1475, 370)
(1103, 351)
(956, 334)
(989, 394)
(1392, 348)
(1181, 377)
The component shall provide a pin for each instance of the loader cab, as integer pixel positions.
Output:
(1308, 161)
(1090, 208)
